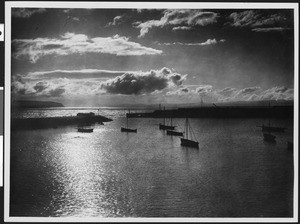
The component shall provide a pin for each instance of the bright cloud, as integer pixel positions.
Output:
(70, 43)
(74, 74)
(164, 85)
(141, 83)
(117, 20)
(270, 29)
(178, 17)
(205, 43)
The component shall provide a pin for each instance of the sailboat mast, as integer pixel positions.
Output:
(187, 128)
(127, 119)
(164, 116)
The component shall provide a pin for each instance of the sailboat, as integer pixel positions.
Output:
(163, 126)
(271, 128)
(128, 129)
(269, 137)
(185, 141)
(175, 133)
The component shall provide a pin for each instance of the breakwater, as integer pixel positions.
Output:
(54, 122)
(221, 112)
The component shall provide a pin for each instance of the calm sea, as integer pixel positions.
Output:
(234, 173)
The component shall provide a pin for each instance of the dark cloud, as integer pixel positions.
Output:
(26, 12)
(56, 92)
(52, 46)
(260, 20)
(141, 83)
(40, 86)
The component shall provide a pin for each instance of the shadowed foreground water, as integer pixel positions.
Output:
(60, 172)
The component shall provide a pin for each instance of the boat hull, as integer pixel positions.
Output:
(189, 143)
(176, 133)
(269, 137)
(290, 145)
(86, 130)
(128, 130)
(272, 129)
(166, 127)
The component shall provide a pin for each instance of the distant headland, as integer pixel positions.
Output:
(24, 104)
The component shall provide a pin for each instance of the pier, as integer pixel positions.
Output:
(221, 112)
(54, 122)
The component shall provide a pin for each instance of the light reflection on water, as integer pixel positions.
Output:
(60, 172)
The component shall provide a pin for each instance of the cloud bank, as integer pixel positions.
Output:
(260, 21)
(164, 85)
(143, 83)
(178, 18)
(205, 43)
(70, 43)
(26, 12)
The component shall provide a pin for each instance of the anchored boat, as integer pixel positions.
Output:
(185, 141)
(163, 126)
(87, 130)
(128, 129)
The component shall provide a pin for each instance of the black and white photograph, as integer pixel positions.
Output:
(151, 110)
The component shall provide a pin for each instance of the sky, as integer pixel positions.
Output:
(113, 57)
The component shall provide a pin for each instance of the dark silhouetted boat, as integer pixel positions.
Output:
(290, 145)
(163, 126)
(166, 127)
(87, 130)
(128, 129)
(175, 133)
(185, 141)
(271, 128)
(268, 137)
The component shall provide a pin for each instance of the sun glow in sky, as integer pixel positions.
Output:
(111, 57)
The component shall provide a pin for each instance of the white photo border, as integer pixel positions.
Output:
(130, 5)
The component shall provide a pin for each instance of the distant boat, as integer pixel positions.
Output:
(128, 129)
(269, 137)
(176, 133)
(271, 128)
(290, 145)
(185, 141)
(163, 126)
(88, 130)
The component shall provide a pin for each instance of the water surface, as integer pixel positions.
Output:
(234, 173)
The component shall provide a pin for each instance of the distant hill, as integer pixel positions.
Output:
(23, 104)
